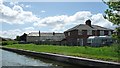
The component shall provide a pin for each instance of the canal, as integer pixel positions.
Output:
(15, 59)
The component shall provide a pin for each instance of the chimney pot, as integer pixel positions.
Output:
(88, 22)
(53, 33)
(39, 33)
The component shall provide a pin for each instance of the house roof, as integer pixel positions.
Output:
(45, 34)
(86, 27)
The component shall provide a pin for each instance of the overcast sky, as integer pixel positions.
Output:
(25, 17)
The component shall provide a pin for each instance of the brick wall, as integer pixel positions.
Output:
(75, 39)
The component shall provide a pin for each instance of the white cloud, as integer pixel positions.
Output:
(116, 12)
(29, 28)
(25, 6)
(28, 6)
(58, 28)
(43, 11)
(58, 0)
(10, 33)
(51, 21)
(16, 15)
(13, 3)
(60, 23)
(1, 1)
(98, 19)
(78, 17)
(16, 32)
(54, 21)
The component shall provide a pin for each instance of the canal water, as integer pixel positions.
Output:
(14, 59)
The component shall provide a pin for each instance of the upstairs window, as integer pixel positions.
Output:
(101, 33)
(93, 33)
(106, 32)
(109, 33)
(68, 33)
(89, 32)
(84, 32)
(79, 32)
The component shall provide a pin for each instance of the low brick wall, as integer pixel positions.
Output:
(67, 59)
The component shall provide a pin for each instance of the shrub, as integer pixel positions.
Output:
(116, 48)
(8, 42)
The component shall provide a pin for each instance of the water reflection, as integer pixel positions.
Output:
(14, 59)
(0, 58)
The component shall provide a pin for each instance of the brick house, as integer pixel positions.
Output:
(78, 35)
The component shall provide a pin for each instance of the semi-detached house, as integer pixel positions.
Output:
(78, 35)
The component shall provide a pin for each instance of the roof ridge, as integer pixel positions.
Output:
(85, 27)
(102, 27)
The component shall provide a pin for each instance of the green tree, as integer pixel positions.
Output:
(113, 15)
(17, 38)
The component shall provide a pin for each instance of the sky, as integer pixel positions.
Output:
(21, 17)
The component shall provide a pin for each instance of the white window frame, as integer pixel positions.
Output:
(109, 33)
(89, 32)
(68, 33)
(79, 32)
(101, 32)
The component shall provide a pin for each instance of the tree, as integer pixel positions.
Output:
(23, 37)
(113, 15)
(17, 38)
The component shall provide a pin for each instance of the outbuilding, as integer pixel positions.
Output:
(99, 40)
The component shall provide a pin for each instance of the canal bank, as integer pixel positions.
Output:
(67, 59)
(16, 60)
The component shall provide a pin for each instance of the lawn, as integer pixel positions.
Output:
(101, 53)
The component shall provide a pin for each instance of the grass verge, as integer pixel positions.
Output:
(101, 53)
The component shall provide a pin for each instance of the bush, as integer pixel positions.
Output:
(117, 48)
(9, 42)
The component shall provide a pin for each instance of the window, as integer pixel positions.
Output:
(101, 32)
(106, 32)
(109, 32)
(84, 32)
(79, 32)
(89, 40)
(68, 33)
(89, 32)
(93, 32)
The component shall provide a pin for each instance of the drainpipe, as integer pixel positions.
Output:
(39, 36)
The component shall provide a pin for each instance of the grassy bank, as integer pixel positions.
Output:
(9, 42)
(103, 53)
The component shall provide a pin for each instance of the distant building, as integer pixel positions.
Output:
(78, 35)
(5, 39)
(42, 37)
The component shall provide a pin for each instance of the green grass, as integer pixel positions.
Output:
(102, 53)
(8, 42)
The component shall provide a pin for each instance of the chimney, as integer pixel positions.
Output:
(53, 33)
(39, 33)
(88, 22)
